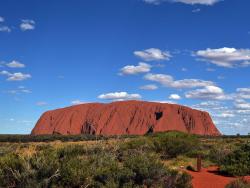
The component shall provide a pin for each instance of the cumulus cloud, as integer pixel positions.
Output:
(27, 25)
(5, 73)
(174, 97)
(149, 87)
(41, 103)
(5, 29)
(190, 2)
(153, 54)
(131, 69)
(226, 115)
(208, 104)
(168, 81)
(201, 2)
(1, 19)
(18, 76)
(243, 93)
(168, 102)
(15, 64)
(19, 90)
(196, 10)
(242, 105)
(119, 96)
(208, 92)
(76, 102)
(225, 57)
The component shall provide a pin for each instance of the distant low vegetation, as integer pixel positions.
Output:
(83, 137)
(154, 160)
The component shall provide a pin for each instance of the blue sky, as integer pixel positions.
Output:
(60, 53)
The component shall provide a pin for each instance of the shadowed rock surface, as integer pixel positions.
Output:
(127, 117)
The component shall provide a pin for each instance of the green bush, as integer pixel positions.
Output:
(239, 183)
(140, 143)
(16, 172)
(172, 144)
(237, 163)
(93, 167)
(146, 168)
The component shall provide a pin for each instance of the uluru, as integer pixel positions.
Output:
(124, 118)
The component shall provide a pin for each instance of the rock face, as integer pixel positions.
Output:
(128, 117)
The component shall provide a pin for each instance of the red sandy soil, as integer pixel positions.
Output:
(125, 118)
(209, 178)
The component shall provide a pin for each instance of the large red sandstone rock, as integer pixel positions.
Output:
(128, 117)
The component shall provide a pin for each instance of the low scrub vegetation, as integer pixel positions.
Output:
(131, 163)
(239, 183)
(237, 163)
(154, 160)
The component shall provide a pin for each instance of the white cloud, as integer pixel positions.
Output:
(190, 2)
(149, 87)
(196, 10)
(184, 69)
(208, 104)
(243, 93)
(208, 92)
(76, 102)
(119, 96)
(18, 77)
(168, 81)
(19, 90)
(5, 73)
(174, 97)
(168, 102)
(153, 54)
(155, 2)
(140, 68)
(210, 69)
(225, 57)
(27, 25)
(41, 103)
(226, 115)
(15, 64)
(1, 19)
(5, 29)
(193, 2)
(242, 105)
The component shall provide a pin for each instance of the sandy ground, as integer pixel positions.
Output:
(209, 178)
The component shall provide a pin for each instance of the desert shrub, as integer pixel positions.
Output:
(146, 168)
(239, 183)
(237, 163)
(190, 168)
(181, 180)
(96, 166)
(100, 170)
(108, 173)
(141, 143)
(172, 144)
(218, 153)
(74, 173)
(16, 172)
(149, 171)
(71, 151)
(46, 165)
